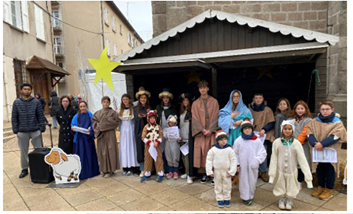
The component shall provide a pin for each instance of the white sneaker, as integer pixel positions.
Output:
(189, 180)
(141, 174)
(300, 186)
(281, 203)
(289, 204)
(184, 176)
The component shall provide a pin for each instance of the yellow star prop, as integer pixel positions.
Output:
(193, 77)
(264, 71)
(103, 68)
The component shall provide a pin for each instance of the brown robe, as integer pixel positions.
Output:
(105, 122)
(202, 143)
(323, 130)
(261, 118)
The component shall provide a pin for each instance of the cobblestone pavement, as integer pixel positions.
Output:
(126, 193)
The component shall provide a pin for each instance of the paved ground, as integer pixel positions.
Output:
(121, 193)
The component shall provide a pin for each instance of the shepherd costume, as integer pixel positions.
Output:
(227, 123)
(84, 146)
(250, 154)
(152, 133)
(221, 161)
(105, 122)
(204, 116)
(64, 118)
(330, 132)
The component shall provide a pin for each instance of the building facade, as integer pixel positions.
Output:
(27, 32)
(328, 17)
(81, 30)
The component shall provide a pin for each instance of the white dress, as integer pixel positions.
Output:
(127, 149)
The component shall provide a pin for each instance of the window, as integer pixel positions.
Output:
(122, 51)
(58, 48)
(136, 43)
(121, 30)
(108, 48)
(56, 19)
(106, 16)
(113, 23)
(16, 14)
(38, 13)
(25, 19)
(115, 50)
(129, 39)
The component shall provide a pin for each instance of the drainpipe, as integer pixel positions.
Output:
(6, 101)
(102, 18)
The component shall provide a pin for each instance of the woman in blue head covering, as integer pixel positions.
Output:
(231, 116)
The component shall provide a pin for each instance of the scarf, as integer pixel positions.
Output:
(249, 137)
(328, 118)
(287, 143)
(260, 107)
(219, 146)
(299, 118)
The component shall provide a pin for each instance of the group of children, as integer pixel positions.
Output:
(288, 139)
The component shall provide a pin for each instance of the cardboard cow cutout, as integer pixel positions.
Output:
(66, 168)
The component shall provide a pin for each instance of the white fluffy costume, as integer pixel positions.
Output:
(224, 162)
(172, 146)
(250, 153)
(283, 169)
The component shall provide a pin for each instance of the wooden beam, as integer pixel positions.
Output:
(56, 81)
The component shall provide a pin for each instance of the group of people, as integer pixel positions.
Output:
(250, 141)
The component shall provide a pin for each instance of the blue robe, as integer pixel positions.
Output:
(84, 147)
(224, 120)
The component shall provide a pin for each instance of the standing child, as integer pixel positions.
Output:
(127, 151)
(172, 146)
(84, 142)
(152, 137)
(221, 163)
(105, 122)
(302, 116)
(287, 153)
(326, 131)
(282, 112)
(264, 122)
(250, 154)
(185, 134)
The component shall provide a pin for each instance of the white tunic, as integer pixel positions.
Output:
(250, 154)
(127, 148)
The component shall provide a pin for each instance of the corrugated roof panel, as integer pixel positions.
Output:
(232, 18)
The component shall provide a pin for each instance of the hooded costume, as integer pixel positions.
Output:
(227, 123)
(283, 170)
(172, 146)
(250, 153)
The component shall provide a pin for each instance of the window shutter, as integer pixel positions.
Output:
(39, 22)
(113, 23)
(108, 48)
(106, 15)
(18, 23)
(25, 16)
(7, 12)
(115, 50)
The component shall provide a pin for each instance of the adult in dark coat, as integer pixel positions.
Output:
(74, 103)
(140, 117)
(41, 100)
(54, 106)
(64, 117)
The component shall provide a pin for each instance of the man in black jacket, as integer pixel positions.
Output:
(41, 100)
(27, 114)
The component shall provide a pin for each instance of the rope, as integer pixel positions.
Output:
(311, 78)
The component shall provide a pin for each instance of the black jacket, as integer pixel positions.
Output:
(41, 100)
(27, 115)
(53, 103)
(64, 119)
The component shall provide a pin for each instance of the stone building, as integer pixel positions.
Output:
(329, 17)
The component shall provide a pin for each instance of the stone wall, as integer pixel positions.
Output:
(307, 15)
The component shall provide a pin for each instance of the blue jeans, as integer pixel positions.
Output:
(172, 169)
(263, 166)
(142, 166)
(54, 122)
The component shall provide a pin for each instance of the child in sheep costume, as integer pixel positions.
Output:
(221, 158)
(287, 153)
(172, 146)
(250, 153)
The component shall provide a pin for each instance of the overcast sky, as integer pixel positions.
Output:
(139, 14)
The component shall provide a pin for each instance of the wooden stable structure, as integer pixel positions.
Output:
(231, 52)
(44, 75)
